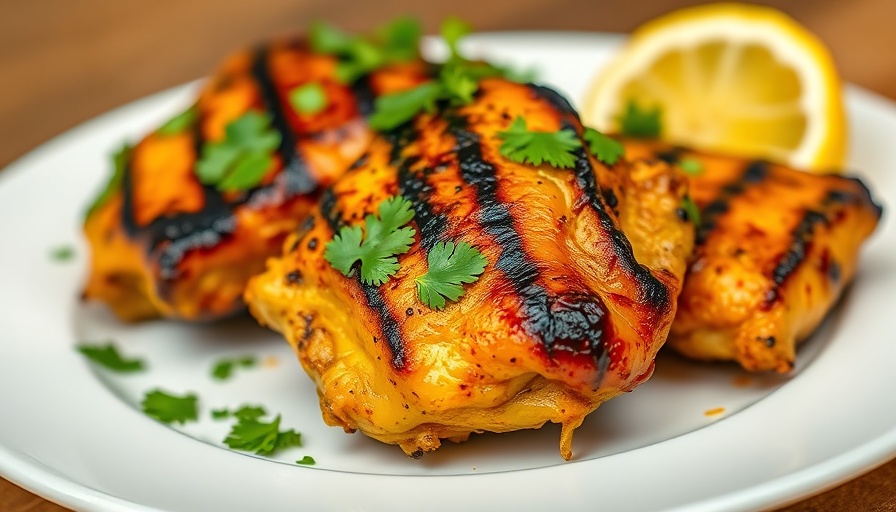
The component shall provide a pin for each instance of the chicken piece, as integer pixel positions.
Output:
(163, 244)
(584, 268)
(774, 251)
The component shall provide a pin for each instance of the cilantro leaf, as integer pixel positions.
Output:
(180, 122)
(108, 356)
(326, 38)
(401, 38)
(395, 109)
(254, 436)
(691, 209)
(308, 99)
(604, 148)
(241, 160)
(220, 414)
(459, 84)
(264, 438)
(640, 123)
(691, 166)
(62, 253)
(249, 412)
(288, 439)
(532, 147)
(169, 408)
(307, 460)
(120, 161)
(398, 41)
(377, 251)
(453, 30)
(450, 266)
(223, 368)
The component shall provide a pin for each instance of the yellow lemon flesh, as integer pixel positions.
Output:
(740, 79)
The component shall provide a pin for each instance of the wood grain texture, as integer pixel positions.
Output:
(64, 62)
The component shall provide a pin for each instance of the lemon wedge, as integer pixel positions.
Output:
(740, 79)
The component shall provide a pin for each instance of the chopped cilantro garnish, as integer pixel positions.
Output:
(245, 412)
(450, 266)
(308, 99)
(108, 356)
(307, 460)
(169, 408)
(120, 162)
(640, 123)
(378, 246)
(223, 368)
(62, 253)
(691, 166)
(453, 30)
(533, 147)
(456, 84)
(690, 208)
(180, 122)
(391, 110)
(264, 438)
(241, 160)
(401, 38)
(604, 148)
(358, 55)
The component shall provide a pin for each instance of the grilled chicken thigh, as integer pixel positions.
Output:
(584, 268)
(774, 251)
(164, 244)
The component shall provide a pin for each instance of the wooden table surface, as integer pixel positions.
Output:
(63, 62)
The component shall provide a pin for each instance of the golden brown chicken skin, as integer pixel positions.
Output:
(775, 249)
(164, 244)
(584, 268)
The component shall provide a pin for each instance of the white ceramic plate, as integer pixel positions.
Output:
(74, 433)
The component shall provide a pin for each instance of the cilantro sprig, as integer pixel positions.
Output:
(644, 123)
(120, 161)
(62, 253)
(450, 267)
(456, 84)
(108, 356)
(691, 209)
(309, 98)
(223, 368)
(169, 408)
(377, 247)
(251, 434)
(691, 166)
(358, 55)
(180, 122)
(604, 148)
(241, 160)
(536, 147)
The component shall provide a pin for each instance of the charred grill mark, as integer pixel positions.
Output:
(567, 324)
(652, 290)
(388, 323)
(169, 238)
(364, 96)
(296, 178)
(753, 174)
(671, 156)
(555, 99)
(801, 242)
(415, 187)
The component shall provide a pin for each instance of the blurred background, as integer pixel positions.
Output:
(63, 62)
